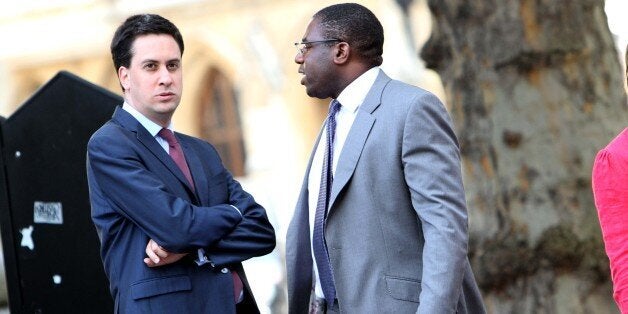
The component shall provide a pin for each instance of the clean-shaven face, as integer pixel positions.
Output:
(153, 81)
(316, 64)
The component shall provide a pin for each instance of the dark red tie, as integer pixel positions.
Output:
(237, 286)
(176, 153)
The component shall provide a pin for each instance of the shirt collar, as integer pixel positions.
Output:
(354, 94)
(152, 127)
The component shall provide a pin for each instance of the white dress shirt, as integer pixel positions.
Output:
(350, 98)
(152, 127)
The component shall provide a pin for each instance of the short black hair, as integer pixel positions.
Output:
(356, 25)
(138, 25)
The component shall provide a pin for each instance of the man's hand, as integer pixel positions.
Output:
(158, 256)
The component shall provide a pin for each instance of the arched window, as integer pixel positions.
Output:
(220, 120)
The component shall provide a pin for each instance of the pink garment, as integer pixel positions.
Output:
(610, 190)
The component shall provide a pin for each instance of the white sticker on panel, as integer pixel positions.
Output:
(48, 213)
(27, 239)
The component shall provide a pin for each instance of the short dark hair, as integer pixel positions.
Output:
(138, 25)
(356, 25)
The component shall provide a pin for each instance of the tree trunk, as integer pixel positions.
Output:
(535, 89)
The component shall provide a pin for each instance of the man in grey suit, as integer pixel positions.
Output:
(381, 223)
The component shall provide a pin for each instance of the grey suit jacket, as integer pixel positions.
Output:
(397, 223)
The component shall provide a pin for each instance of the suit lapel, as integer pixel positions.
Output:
(196, 167)
(298, 236)
(359, 132)
(149, 142)
(301, 214)
(126, 120)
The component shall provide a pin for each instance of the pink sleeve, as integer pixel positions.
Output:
(610, 191)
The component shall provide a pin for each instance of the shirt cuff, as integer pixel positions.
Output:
(239, 211)
(202, 259)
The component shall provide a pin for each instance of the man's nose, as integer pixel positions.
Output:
(165, 77)
(298, 58)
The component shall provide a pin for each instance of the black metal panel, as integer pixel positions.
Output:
(44, 193)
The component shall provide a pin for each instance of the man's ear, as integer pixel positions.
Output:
(342, 51)
(123, 76)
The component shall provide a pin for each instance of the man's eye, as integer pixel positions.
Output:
(150, 66)
(173, 66)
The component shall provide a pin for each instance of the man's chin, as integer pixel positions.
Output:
(313, 93)
(168, 107)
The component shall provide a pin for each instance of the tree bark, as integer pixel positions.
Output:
(535, 89)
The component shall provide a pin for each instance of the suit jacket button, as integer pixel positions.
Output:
(224, 270)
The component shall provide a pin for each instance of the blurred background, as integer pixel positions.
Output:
(535, 89)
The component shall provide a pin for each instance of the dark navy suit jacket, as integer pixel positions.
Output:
(138, 193)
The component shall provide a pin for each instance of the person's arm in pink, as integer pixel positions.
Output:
(610, 191)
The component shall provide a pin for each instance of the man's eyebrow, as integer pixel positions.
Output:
(155, 61)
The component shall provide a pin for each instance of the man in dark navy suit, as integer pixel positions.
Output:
(173, 223)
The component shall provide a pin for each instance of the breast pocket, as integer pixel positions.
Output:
(157, 286)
